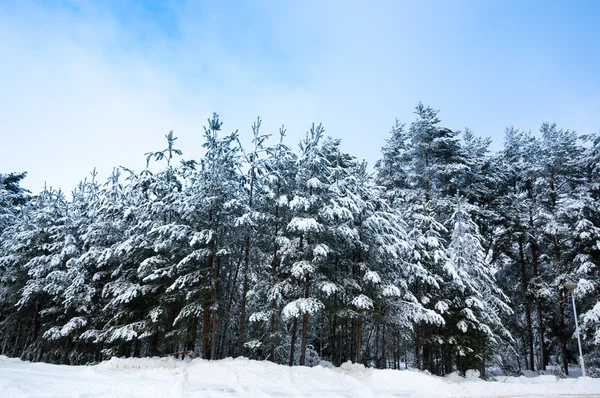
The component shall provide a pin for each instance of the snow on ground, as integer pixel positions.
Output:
(169, 377)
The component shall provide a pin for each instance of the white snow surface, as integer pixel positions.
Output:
(170, 377)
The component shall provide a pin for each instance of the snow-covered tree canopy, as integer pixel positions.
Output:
(445, 256)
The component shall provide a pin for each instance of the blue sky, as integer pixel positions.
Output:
(88, 84)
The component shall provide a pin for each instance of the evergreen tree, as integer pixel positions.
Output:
(302, 256)
(474, 302)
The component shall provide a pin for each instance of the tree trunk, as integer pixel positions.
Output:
(244, 294)
(305, 324)
(359, 338)
(376, 356)
(347, 343)
(246, 266)
(213, 339)
(352, 344)
(563, 334)
(542, 364)
(536, 275)
(383, 358)
(232, 287)
(274, 275)
(306, 295)
(34, 333)
(461, 365)
(427, 182)
(153, 346)
(207, 299)
(417, 350)
(427, 357)
(304, 339)
(293, 342)
(333, 340)
(193, 331)
(205, 326)
(562, 294)
(527, 303)
(483, 374)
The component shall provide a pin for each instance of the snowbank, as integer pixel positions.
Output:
(167, 377)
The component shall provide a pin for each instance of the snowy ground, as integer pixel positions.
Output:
(244, 378)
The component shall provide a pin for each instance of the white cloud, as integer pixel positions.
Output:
(83, 85)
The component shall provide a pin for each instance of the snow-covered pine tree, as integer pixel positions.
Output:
(238, 249)
(510, 244)
(12, 197)
(392, 169)
(519, 205)
(271, 285)
(383, 271)
(560, 172)
(586, 245)
(250, 217)
(102, 209)
(13, 222)
(45, 248)
(474, 302)
(436, 157)
(431, 163)
(310, 195)
(209, 208)
(76, 291)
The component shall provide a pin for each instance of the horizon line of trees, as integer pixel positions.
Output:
(446, 257)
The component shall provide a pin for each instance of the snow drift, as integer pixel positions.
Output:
(169, 377)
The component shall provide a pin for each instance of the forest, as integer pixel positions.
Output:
(442, 256)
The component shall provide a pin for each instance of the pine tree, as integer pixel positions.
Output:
(250, 218)
(311, 188)
(512, 239)
(271, 284)
(12, 197)
(474, 302)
